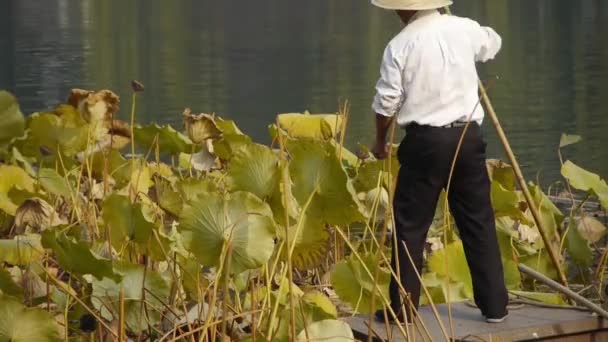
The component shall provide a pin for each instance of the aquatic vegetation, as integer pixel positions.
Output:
(204, 232)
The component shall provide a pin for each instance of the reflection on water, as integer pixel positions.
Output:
(249, 60)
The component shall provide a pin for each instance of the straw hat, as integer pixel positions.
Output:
(414, 5)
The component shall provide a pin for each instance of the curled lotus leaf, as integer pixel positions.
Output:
(591, 229)
(316, 171)
(328, 330)
(13, 177)
(200, 127)
(168, 139)
(239, 220)
(569, 139)
(318, 126)
(253, 168)
(135, 278)
(506, 202)
(21, 250)
(12, 122)
(35, 215)
(354, 285)
(76, 257)
(126, 221)
(584, 180)
(550, 215)
(19, 323)
(501, 172)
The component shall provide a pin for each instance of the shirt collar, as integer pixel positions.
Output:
(423, 14)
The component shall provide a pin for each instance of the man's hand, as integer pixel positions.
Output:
(380, 150)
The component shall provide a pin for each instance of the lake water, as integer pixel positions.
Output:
(249, 60)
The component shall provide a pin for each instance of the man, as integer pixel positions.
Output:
(428, 83)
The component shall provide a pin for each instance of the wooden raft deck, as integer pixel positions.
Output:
(527, 323)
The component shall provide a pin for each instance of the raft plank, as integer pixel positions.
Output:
(527, 323)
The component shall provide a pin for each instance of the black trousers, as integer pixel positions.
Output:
(426, 155)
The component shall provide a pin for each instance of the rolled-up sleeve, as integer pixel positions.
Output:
(486, 42)
(389, 89)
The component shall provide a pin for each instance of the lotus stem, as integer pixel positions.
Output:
(121, 315)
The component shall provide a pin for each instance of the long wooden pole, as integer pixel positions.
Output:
(522, 184)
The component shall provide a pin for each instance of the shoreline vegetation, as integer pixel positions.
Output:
(117, 231)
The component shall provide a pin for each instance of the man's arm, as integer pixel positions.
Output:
(486, 42)
(380, 149)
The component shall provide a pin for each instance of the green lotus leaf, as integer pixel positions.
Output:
(549, 298)
(318, 126)
(315, 169)
(451, 262)
(551, 216)
(355, 286)
(591, 229)
(541, 262)
(322, 307)
(191, 188)
(125, 221)
(135, 278)
(8, 286)
(369, 171)
(168, 139)
(12, 123)
(311, 307)
(201, 127)
(21, 250)
(329, 330)
(239, 217)
(118, 167)
(21, 324)
(440, 291)
(167, 197)
(569, 139)
(577, 247)
(253, 168)
(310, 245)
(502, 173)
(50, 131)
(225, 147)
(141, 178)
(76, 257)
(227, 126)
(13, 177)
(584, 180)
(52, 182)
(506, 202)
(22, 161)
(511, 274)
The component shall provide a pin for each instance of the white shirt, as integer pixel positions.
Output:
(428, 73)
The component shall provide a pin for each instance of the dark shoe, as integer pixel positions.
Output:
(380, 317)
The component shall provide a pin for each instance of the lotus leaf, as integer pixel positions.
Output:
(168, 139)
(12, 177)
(190, 188)
(440, 291)
(369, 171)
(76, 256)
(22, 250)
(254, 168)
(19, 159)
(315, 169)
(506, 202)
(354, 285)
(541, 262)
(21, 324)
(451, 262)
(311, 307)
(569, 139)
(141, 178)
(52, 182)
(239, 220)
(49, 131)
(167, 197)
(551, 216)
(200, 161)
(502, 173)
(126, 221)
(584, 180)
(200, 127)
(8, 286)
(225, 147)
(227, 126)
(591, 229)
(318, 126)
(311, 244)
(134, 279)
(329, 330)
(577, 246)
(12, 123)
(118, 167)
(35, 215)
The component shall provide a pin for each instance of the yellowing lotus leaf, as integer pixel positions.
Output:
(76, 257)
(584, 180)
(167, 197)
(253, 168)
(577, 247)
(35, 215)
(12, 123)
(310, 241)
(315, 170)
(569, 139)
(8, 286)
(502, 173)
(506, 202)
(239, 220)
(329, 330)
(21, 250)
(229, 144)
(135, 279)
(312, 306)
(551, 216)
(21, 324)
(125, 221)
(318, 126)
(355, 286)
(168, 139)
(54, 183)
(48, 131)
(13, 177)
(227, 126)
(200, 127)
(591, 229)
(440, 291)
(451, 262)
(191, 188)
